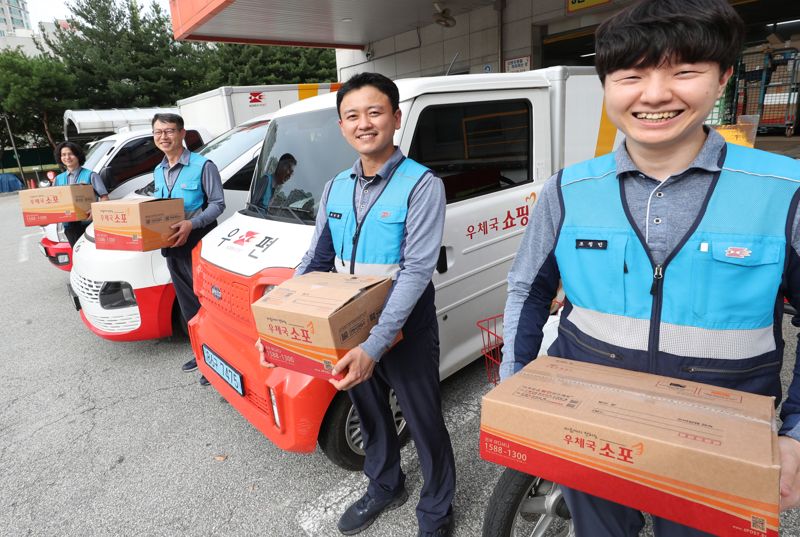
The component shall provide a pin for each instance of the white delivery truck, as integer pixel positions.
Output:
(223, 108)
(128, 296)
(91, 124)
(120, 159)
(494, 139)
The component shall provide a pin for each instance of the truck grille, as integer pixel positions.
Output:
(116, 324)
(86, 289)
(229, 298)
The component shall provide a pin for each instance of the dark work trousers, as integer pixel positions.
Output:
(411, 368)
(596, 517)
(179, 263)
(74, 230)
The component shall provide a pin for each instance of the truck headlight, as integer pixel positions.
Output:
(62, 237)
(115, 295)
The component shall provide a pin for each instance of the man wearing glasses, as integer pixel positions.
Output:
(187, 175)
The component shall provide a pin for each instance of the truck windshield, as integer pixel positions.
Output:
(227, 147)
(300, 154)
(96, 152)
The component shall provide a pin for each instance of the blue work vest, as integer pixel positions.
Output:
(713, 297)
(188, 185)
(84, 178)
(374, 247)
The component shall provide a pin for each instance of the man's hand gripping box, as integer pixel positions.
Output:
(308, 323)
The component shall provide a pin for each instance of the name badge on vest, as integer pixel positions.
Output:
(337, 216)
(591, 244)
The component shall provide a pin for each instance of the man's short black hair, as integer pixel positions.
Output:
(287, 157)
(168, 118)
(651, 32)
(376, 80)
(72, 146)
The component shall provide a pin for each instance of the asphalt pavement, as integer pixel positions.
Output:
(104, 438)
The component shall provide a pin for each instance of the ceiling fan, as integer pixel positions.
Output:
(442, 16)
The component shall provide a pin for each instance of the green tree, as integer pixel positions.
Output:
(242, 65)
(122, 56)
(34, 93)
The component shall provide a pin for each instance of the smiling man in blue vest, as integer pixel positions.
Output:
(676, 250)
(385, 216)
(187, 175)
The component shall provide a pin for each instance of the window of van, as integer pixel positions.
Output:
(140, 156)
(476, 148)
(241, 179)
(97, 152)
(301, 153)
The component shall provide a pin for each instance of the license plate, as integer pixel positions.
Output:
(41, 249)
(221, 368)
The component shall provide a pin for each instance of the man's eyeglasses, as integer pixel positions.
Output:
(169, 133)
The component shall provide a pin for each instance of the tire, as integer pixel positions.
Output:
(526, 505)
(340, 434)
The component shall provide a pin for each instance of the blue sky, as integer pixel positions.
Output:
(47, 10)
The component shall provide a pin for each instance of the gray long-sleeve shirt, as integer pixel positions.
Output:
(212, 187)
(420, 248)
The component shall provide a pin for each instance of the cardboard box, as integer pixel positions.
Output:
(139, 224)
(308, 323)
(51, 205)
(700, 455)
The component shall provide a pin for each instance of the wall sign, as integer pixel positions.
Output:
(577, 5)
(518, 65)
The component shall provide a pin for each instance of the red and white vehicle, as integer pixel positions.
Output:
(493, 139)
(121, 160)
(128, 296)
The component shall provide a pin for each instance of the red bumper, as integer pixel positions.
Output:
(155, 309)
(52, 250)
(301, 400)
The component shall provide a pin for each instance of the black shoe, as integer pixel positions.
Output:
(442, 531)
(191, 365)
(204, 381)
(365, 510)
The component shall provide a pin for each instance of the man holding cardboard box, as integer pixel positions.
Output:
(675, 251)
(385, 216)
(72, 158)
(195, 179)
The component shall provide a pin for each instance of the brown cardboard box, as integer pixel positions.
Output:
(308, 323)
(700, 455)
(51, 205)
(139, 224)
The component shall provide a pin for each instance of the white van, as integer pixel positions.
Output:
(128, 296)
(120, 159)
(493, 139)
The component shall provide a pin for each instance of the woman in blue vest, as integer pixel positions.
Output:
(71, 158)
(676, 250)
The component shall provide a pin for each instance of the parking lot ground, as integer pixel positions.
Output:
(104, 438)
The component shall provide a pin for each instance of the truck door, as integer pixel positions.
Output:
(492, 151)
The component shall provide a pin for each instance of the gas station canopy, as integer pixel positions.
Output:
(321, 23)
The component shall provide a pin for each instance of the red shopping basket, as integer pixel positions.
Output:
(491, 329)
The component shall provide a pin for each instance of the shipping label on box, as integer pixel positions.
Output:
(308, 323)
(55, 204)
(700, 455)
(139, 224)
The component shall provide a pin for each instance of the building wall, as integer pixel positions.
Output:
(14, 15)
(472, 44)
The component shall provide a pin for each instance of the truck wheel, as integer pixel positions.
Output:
(340, 435)
(523, 504)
